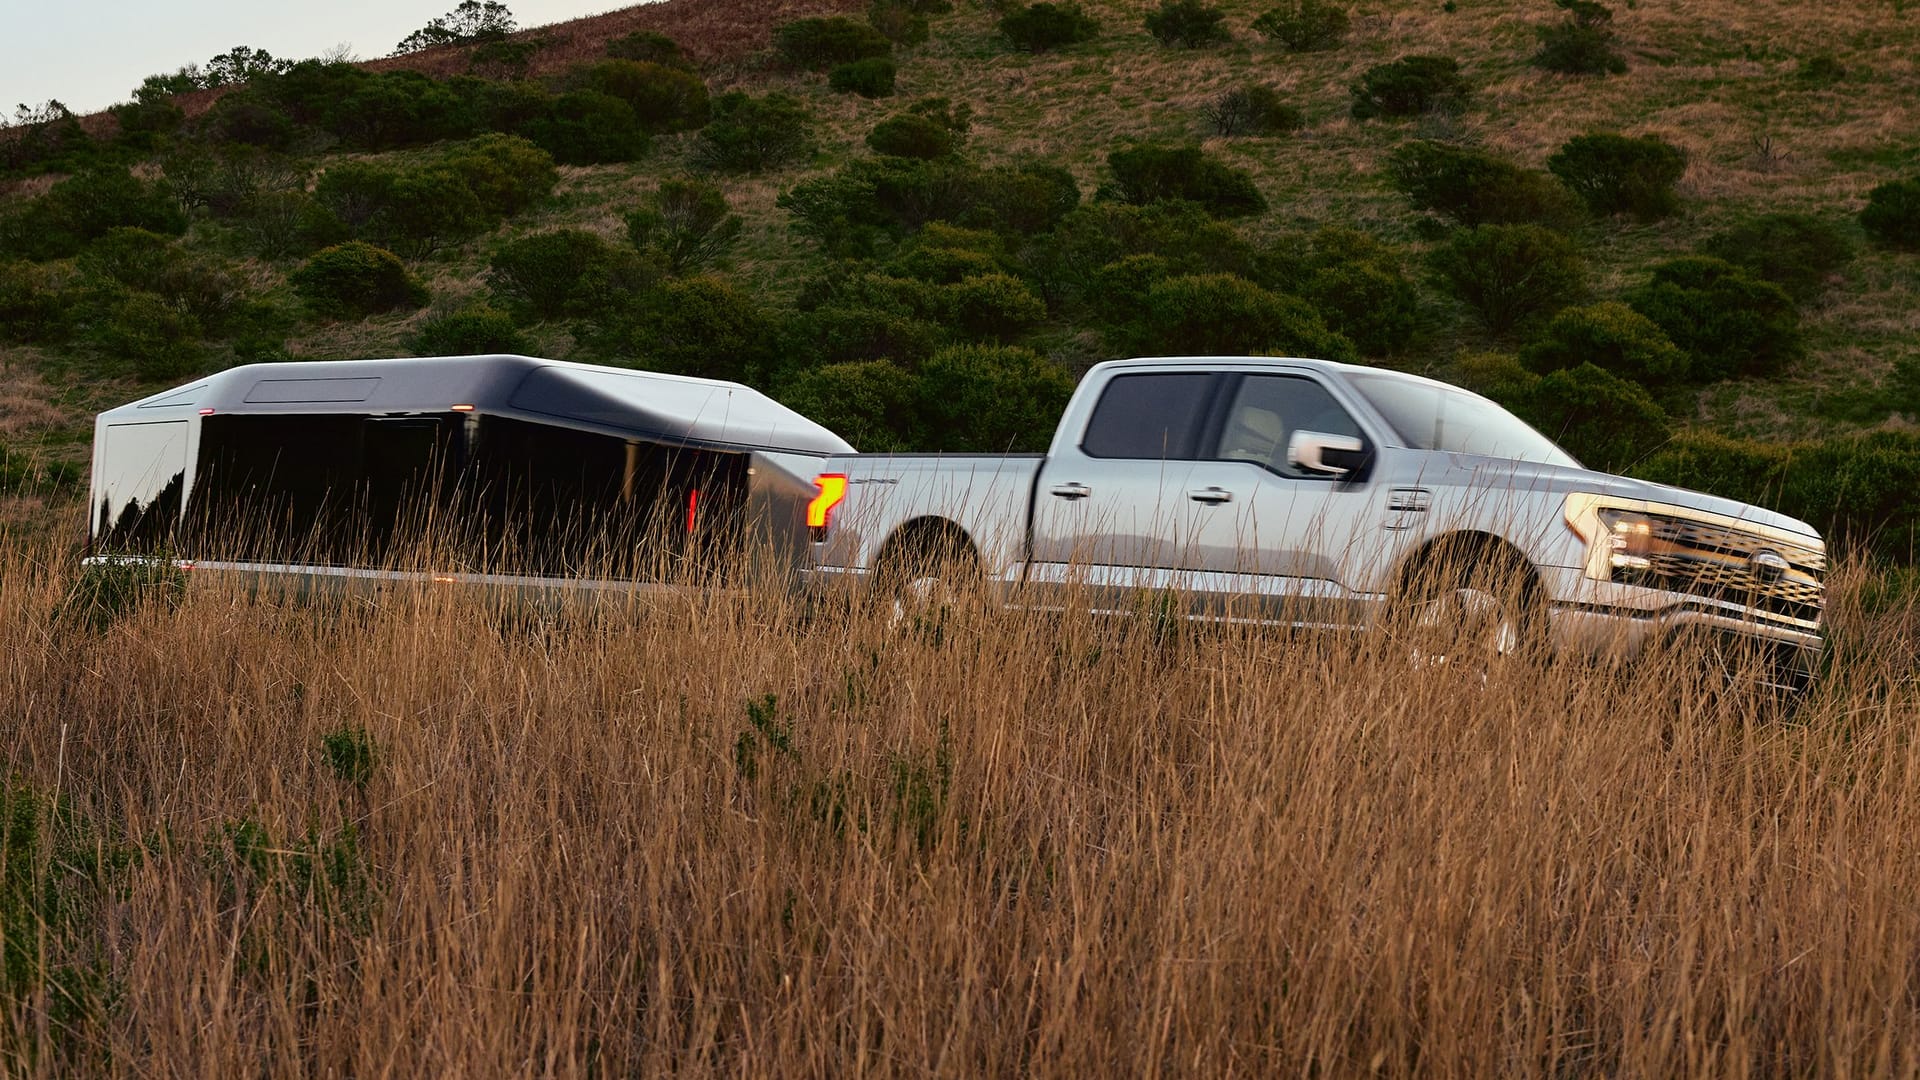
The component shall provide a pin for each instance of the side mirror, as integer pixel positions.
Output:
(1328, 455)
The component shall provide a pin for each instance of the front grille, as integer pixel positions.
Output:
(1716, 562)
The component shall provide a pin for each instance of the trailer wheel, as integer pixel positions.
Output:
(927, 576)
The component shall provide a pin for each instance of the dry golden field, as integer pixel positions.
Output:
(725, 834)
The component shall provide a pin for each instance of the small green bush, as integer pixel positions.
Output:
(197, 285)
(31, 307)
(1731, 323)
(1798, 252)
(1304, 25)
(945, 255)
(870, 78)
(1221, 314)
(1622, 174)
(1067, 262)
(425, 210)
(753, 135)
(1612, 337)
(686, 226)
(1147, 173)
(1607, 422)
(140, 334)
(991, 399)
(1253, 109)
(1043, 27)
(1409, 87)
(1187, 24)
(107, 592)
(700, 326)
(992, 307)
(83, 208)
(873, 404)
(648, 47)
(506, 173)
(901, 24)
(845, 330)
(663, 98)
(1509, 274)
(22, 473)
(356, 279)
(1360, 287)
(1892, 214)
(823, 43)
(586, 127)
(554, 274)
(475, 331)
(911, 135)
(1476, 188)
(1582, 44)
(1119, 289)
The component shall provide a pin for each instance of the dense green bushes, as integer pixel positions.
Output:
(824, 43)
(749, 134)
(1044, 26)
(1892, 214)
(1730, 323)
(1224, 315)
(475, 331)
(565, 272)
(1621, 174)
(930, 129)
(1304, 25)
(663, 98)
(1582, 44)
(586, 127)
(871, 202)
(1610, 336)
(1607, 422)
(686, 226)
(1411, 86)
(1188, 24)
(1798, 252)
(84, 207)
(1253, 109)
(1476, 188)
(702, 326)
(1147, 173)
(1509, 274)
(870, 78)
(356, 279)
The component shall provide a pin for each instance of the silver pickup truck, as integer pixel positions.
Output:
(1313, 493)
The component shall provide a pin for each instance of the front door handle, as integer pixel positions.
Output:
(1210, 495)
(1071, 491)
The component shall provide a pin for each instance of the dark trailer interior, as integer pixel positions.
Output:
(482, 465)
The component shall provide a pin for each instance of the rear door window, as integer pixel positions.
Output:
(1155, 416)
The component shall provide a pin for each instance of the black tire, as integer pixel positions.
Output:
(925, 579)
(1472, 608)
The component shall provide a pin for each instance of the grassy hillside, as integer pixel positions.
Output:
(1777, 107)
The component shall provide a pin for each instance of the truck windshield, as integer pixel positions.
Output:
(1428, 416)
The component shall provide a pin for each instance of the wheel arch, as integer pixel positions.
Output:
(1467, 544)
(927, 536)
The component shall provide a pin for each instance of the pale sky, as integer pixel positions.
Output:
(90, 54)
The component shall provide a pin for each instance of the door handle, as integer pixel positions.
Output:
(1071, 491)
(1210, 495)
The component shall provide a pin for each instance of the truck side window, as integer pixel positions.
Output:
(1155, 416)
(1268, 409)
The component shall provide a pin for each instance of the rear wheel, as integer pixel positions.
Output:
(926, 580)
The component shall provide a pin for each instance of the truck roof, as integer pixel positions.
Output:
(674, 408)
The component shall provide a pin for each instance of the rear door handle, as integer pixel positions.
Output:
(1210, 495)
(1071, 491)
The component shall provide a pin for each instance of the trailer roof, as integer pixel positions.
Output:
(708, 412)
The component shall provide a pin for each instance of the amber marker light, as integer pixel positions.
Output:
(833, 489)
(463, 408)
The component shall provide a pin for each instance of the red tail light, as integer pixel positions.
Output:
(833, 489)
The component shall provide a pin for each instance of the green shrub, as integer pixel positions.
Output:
(992, 307)
(565, 272)
(470, 22)
(870, 78)
(663, 98)
(1580, 46)
(249, 118)
(22, 473)
(991, 399)
(356, 279)
(1068, 260)
(475, 331)
(196, 285)
(1410, 86)
(1798, 252)
(506, 173)
(1608, 423)
(1220, 314)
(503, 59)
(648, 47)
(1304, 25)
(873, 404)
(83, 208)
(1861, 491)
(1730, 323)
(1253, 109)
(1360, 287)
(700, 326)
(929, 129)
(754, 135)
(140, 334)
(1021, 199)
(1476, 188)
(686, 226)
(901, 24)
(1147, 173)
(844, 330)
(822, 43)
(1622, 174)
(1188, 24)
(31, 308)
(1509, 274)
(585, 127)
(945, 255)
(424, 210)
(1612, 337)
(1045, 26)
(1892, 214)
(108, 592)
(872, 201)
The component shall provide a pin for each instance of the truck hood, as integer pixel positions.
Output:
(1537, 476)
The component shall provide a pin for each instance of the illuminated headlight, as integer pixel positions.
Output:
(1629, 539)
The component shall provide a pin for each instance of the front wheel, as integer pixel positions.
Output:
(1471, 611)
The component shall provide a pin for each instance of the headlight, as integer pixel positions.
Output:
(1629, 539)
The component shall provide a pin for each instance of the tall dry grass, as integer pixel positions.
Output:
(724, 833)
